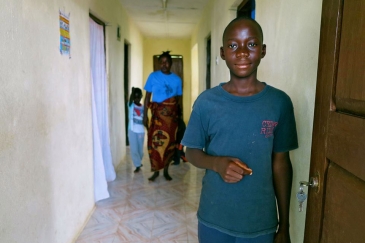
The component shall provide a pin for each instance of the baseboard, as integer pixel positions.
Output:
(84, 224)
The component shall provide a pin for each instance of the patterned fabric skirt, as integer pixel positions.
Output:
(161, 137)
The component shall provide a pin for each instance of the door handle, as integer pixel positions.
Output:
(301, 196)
(313, 182)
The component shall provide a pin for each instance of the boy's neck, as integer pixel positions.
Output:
(139, 104)
(243, 87)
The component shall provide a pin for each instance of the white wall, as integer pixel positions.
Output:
(46, 172)
(291, 32)
(199, 38)
(195, 67)
(216, 16)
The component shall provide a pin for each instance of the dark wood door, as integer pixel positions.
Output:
(336, 209)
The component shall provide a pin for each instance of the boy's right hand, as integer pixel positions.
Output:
(231, 170)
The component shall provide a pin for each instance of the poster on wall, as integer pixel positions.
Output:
(65, 43)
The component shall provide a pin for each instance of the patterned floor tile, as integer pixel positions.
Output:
(169, 232)
(140, 211)
(98, 232)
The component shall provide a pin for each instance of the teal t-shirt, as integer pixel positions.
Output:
(249, 128)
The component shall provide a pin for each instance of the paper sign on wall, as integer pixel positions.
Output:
(65, 43)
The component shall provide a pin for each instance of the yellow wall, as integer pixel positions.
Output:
(291, 31)
(46, 149)
(153, 47)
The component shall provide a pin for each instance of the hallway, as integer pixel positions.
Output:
(142, 211)
(46, 147)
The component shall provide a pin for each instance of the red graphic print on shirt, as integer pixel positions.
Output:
(137, 111)
(268, 128)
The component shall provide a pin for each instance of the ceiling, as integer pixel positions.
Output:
(165, 18)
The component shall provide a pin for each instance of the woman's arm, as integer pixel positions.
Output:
(283, 176)
(230, 169)
(147, 100)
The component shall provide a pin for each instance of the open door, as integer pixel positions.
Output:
(336, 208)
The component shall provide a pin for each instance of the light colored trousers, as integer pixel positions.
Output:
(136, 142)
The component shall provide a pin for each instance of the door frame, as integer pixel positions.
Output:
(324, 105)
(246, 9)
(126, 81)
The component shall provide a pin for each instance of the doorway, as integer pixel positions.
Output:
(126, 87)
(247, 9)
(102, 158)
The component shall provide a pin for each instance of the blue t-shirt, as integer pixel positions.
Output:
(250, 128)
(163, 86)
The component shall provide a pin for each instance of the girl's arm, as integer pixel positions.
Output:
(131, 97)
(147, 100)
(283, 175)
(230, 169)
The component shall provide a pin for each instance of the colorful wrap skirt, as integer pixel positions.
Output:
(161, 137)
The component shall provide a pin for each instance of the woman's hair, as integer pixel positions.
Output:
(167, 55)
(134, 92)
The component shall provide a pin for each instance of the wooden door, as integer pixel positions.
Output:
(336, 209)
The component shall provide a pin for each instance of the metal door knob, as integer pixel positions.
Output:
(313, 182)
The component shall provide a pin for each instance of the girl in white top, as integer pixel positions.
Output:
(136, 128)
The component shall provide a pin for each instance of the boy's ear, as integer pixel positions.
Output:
(222, 53)
(263, 52)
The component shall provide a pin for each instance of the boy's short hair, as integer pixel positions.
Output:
(241, 18)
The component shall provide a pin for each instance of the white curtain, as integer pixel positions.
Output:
(103, 166)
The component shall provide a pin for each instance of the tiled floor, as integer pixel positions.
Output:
(141, 211)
